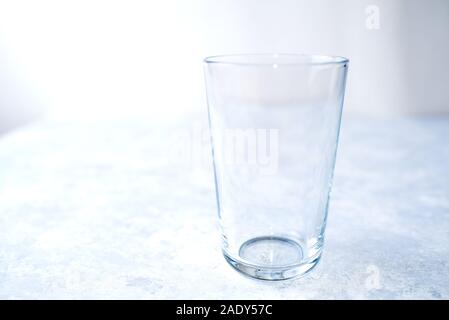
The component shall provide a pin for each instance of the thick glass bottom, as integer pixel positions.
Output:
(272, 258)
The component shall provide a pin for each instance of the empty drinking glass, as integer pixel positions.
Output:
(274, 121)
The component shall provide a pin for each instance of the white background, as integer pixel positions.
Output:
(114, 58)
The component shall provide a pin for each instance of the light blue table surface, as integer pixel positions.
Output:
(126, 209)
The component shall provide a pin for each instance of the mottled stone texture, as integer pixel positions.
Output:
(126, 209)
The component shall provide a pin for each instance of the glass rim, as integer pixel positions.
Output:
(270, 59)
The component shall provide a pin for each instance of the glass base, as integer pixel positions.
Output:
(272, 258)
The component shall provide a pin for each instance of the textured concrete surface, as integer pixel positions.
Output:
(126, 209)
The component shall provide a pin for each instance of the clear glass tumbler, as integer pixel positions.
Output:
(274, 121)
